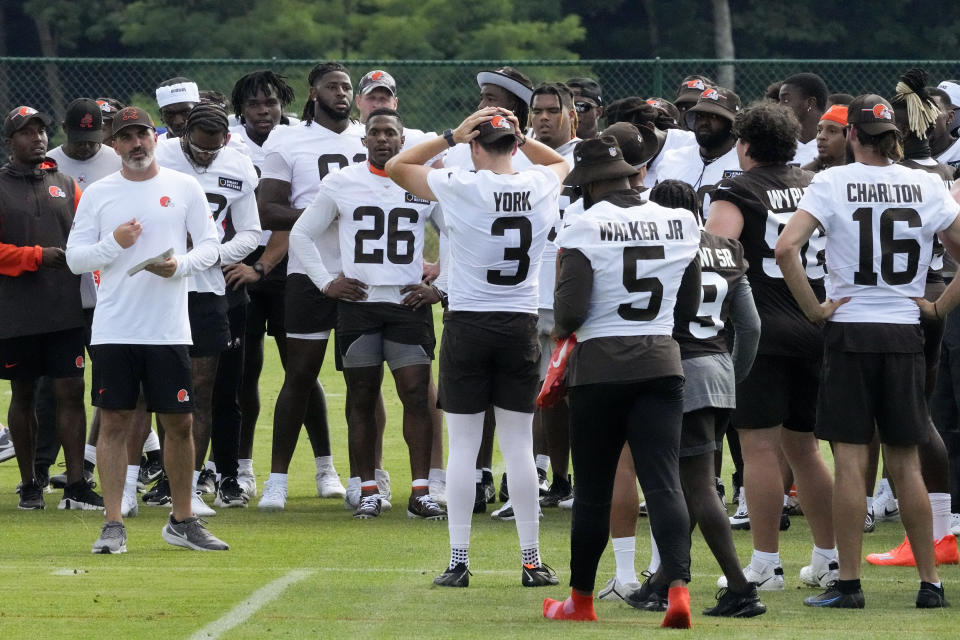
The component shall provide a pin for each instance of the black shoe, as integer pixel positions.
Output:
(207, 481)
(542, 481)
(504, 491)
(931, 597)
(59, 481)
(489, 491)
(834, 598)
(648, 597)
(150, 471)
(229, 494)
(459, 576)
(560, 490)
(737, 605)
(80, 496)
(784, 521)
(721, 491)
(31, 496)
(542, 576)
(480, 502)
(159, 495)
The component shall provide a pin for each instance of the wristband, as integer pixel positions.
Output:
(448, 136)
(258, 267)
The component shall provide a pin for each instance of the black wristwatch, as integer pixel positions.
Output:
(444, 299)
(258, 267)
(448, 136)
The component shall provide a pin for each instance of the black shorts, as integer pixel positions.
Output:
(209, 326)
(779, 390)
(119, 370)
(265, 313)
(489, 358)
(306, 310)
(396, 323)
(703, 431)
(58, 354)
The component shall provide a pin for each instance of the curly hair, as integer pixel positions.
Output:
(675, 194)
(264, 81)
(770, 130)
(316, 74)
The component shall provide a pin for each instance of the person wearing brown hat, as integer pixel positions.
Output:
(42, 324)
(638, 145)
(497, 220)
(84, 156)
(620, 270)
(688, 93)
(714, 157)
(880, 219)
(108, 108)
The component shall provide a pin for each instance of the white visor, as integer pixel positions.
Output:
(180, 92)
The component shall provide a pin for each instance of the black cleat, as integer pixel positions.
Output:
(560, 490)
(542, 576)
(150, 471)
(784, 521)
(80, 496)
(648, 597)
(931, 597)
(489, 491)
(159, 495)
(479, 502)
(737, 605)
(459, 576)
(31, 496)
(836, 599)
(504, 490)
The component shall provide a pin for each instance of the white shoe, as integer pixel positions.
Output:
(767, 578)
(383, 483)
(740, 521)
(274, 497)
(820, 575)
(328, 483)
(506, 512)
(616, 590)
(955, 524)
(885, 506)
(6, 444)
(566, 504)
(199, 507)
(248, 484)
(129, 507)
(351, 499)
(438, 491)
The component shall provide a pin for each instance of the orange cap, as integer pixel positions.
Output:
(837, 113)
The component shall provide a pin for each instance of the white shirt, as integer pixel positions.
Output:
(229, 183)
(86, 172)
(497, 226)
(806, 153)
(381, 232)
(143, 308)
(648, 247)
(675, 139)
(303, 156)
(257, 156)
(686, 164)
(951, 156)
(548, 267)
(879, 224)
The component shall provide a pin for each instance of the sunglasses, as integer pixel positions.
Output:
(202, 151)
(583, 107)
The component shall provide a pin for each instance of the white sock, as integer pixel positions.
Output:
(883, 486)
(130, 484)
(543, 462)
(766, 557)
(420, 483)
(822, 556)
(245, 467)
(478, 474)
(196, 476)
(210, 465)
(324, 462)
(869, 503)
(90, 454)
(278, 480)
(436, 475)
(152, 442)
(465, 434)
(654, 555)
(940, 505)
(515, 433)
(624, 551)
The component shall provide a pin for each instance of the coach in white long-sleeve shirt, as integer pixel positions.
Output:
(141, 330)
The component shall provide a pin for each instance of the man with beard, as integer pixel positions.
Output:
(176, 97)
(806, 95)
(588, 100)
(688, 94)
(141, 329)
(831, 140)
(84, 156)
(944, 144)
(296, 160)
(714, 158)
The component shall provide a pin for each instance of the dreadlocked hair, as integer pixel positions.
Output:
(564, 98)
(316, 73)
(675, 194)
(209, 118)
(922, 111)
(265, 82)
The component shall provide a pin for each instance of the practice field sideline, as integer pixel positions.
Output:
(312, 570)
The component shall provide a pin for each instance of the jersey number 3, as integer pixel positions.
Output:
(521, 254)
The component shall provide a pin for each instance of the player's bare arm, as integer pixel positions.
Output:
(950, 298)
(273, 199)
(724, 219)
(240, 274)
(787, 252)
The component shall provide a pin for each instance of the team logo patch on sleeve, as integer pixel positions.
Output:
(409, 197)
(731, 173)
(230, 183)
(56, 192)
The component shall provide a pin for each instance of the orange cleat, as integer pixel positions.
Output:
(576, 607)
(678, 609)
(945, 550)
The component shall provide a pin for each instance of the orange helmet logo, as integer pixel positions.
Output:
(182, 395)
(79, 362)
(26, 111)
(165, 201)
(376, 75)
(499, 122)
(710, 94)
(131, 114)
(695, 84)
(881, 112)
(56, 192)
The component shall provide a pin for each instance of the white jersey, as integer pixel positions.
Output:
(143, 308)
(86, 172)
(686, 164)
(497, 226)
(638, 255)
(548, 267)
(381, 232)
(303, 156)
(676, 138)
(459, 157)
(806, 153)
(879, 224)
(229, 183)
(951, 156)
(257, 156)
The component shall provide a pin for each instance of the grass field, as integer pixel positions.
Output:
(372, 579)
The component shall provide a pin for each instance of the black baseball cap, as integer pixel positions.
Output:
(495, 128)
(377, 78)
(598, 159)
(589, 89)
(84, 121)
(131, 116)
(638, 144)
(872, 114)
(718, 101)
(19, 117)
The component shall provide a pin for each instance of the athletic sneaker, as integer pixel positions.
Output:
(328, 483)
(80, 496)
(506, 512)
(566, 504)
(489, 492)
(885, 506)
(931, 597)
(351, 499)
(199, 507)
(479, 500)
(735, 496)
(150, 471)
(737, 605)
(740, 521)
(248, 483)
(230, 495)
(505, 491)
(792, 506)
(560, 490)
(955, 524)
(370, 507)
(944, 549)
(821, 575)
(6, 445)
(383, 483)
(534, 576)
(721, 490)
(425, 507)
(648, 597)
(616, 590)
(274, 497)
(459, 576)
(159, 495)
(543, 485)
(438, 491)
(129, 507)
(832, 597)
(767, 577)
(59, 481)
(191, 534)
(113, 539)
(31, 497)
(869, 523)
(207, 481)
(642, 510)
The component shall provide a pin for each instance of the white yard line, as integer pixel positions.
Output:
(242, 612)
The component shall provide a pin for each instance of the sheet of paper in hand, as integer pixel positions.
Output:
(149, 261)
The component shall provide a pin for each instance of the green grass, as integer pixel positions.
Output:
(372, 579)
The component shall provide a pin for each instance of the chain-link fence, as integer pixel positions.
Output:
(434, 94)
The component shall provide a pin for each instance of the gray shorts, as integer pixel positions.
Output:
(710, 382)
(372, 349)
(547, 344)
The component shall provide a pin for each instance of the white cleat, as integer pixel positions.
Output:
(767, 578)
(328, 483)
(274, 497)
(199, 507)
